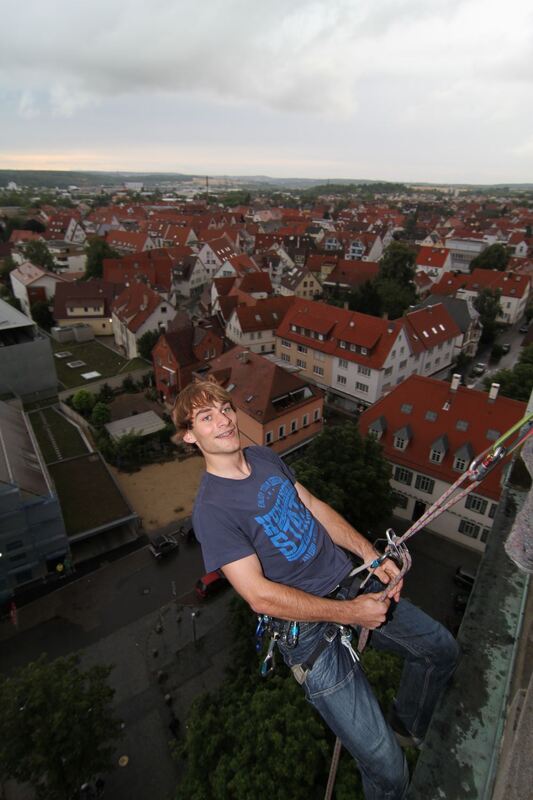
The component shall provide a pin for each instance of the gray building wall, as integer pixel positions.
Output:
(32, 538)
(28, 367)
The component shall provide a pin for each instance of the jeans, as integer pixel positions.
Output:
(337, 687)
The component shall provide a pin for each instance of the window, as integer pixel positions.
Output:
(18, 557)
(341, 379)
(399, 443)
(285, 357)
(459, 464)
(484, 535)
(431, 416)
(400, 500)
(406, 408)
(301, 363)
(469, 529)
(343, 364)
(285, 343)
(361, 387)
(492, 435)
(492, 512)
(403, 475)
(364, 351)
(363, 370)
(388, 371)
(302, 348)
(461, 425)
(281, 431)
(403, 364)
(425, 484)
(436, 456)
(342, 345)
(305, 420)
(476, 503)
(318, 370)
(316, 415)
(294, 426)
(163, 309)
(268, 437)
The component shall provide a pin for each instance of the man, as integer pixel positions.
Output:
(283, 551)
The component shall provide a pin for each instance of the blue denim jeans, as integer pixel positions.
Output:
(337, 687)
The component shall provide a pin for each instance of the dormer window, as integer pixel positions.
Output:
(342, 344)
(438, 450)
(402, 437)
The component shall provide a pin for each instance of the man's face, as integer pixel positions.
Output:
(214, 429)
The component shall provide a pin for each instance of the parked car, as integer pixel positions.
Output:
(464, 577)
(505, 347)
(479, 368)
(210, 584)
(162, 545)
(523, 328)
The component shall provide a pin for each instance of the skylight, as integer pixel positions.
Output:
(406, 408)
(430, 416)
(461, 425)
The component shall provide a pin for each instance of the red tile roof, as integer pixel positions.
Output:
(509, 283)
(468, 406)
(264, 314)
(353, 273)
(434, 257)
(135, 305)
(257, 382)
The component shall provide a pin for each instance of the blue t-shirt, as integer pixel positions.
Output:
(263, 514)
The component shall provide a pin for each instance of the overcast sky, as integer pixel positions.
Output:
(415, 90)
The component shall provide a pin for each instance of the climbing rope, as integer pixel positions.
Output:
(396, 549)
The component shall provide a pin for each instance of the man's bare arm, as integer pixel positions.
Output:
(346, 536)
(276, 600)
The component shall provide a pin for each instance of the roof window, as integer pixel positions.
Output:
(430, 416)
(406, 408)
(462, 425)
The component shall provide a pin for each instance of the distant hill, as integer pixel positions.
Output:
(60, 179)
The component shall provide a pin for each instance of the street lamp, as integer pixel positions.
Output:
(194, 614)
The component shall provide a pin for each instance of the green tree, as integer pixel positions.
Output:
(83, 402)
(7, 265)
(488, 304)
(366, 299)
(100, 415)
(349, 473)
(42, 315)
(97, 250)
(38, 253)
(516, 383)
(146, 344)
(496, 256)
(395, 297)
(398, 263)
(57, 727)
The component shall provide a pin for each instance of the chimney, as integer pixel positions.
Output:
(243, 356)
(493, 394)
(456, 380)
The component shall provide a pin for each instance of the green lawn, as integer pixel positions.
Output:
(66, 436)
(96, 356)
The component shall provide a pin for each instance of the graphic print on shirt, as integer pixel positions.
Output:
(286, 521)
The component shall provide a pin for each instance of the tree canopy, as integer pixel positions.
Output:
(57, 727)
(38, 253)
(398, 263)
(488, 304)
(42, 315)
(496, 256)
(97, 250)
(146, 344)
(349, 473)
(517, 382)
